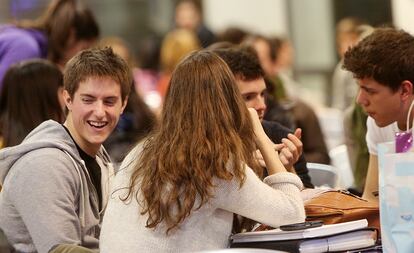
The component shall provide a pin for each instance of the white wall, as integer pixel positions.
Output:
(267, 17)
(313, 34)
(402, 12)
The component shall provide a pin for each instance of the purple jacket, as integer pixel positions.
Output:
(18, 44)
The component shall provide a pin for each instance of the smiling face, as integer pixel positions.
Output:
(253, 94)
(381, 103)
(94, 111)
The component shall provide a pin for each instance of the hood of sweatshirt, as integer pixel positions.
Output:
(49, 134)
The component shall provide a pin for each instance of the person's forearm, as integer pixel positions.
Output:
(371, 182)
(270, 156)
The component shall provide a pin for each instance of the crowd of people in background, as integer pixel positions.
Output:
(202, 136)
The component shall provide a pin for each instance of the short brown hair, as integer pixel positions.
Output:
(97, 63)
(387, 56)
(242, 61)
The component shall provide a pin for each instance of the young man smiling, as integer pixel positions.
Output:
(55, 183)
(383, 65)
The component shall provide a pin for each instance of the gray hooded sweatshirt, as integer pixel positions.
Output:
(48, 197)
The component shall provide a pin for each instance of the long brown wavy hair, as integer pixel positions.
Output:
(28, 97)
(204, 127)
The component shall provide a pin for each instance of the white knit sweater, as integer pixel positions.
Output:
(275, 202)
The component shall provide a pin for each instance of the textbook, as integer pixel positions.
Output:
(278, 235)
(359, 239)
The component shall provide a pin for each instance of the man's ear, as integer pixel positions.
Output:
(406, 89)
(67, 99)
(124, 103)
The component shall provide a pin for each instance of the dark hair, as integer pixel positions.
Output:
(387, 56)
(148, 53)
(242, 61)
(59, 20)
(234, 35)
(205, 121)
(97, 63)
(29, 96)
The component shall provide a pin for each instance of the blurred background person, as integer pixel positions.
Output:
(65, 28)
(175, 45)
(31, 94)
(233, 34)
(344, 88)
(281, 57)
(147, 72)
(189, 15)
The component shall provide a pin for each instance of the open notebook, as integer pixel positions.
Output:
(278, 235)
(352, 240)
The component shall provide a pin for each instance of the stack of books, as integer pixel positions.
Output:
(326, 238)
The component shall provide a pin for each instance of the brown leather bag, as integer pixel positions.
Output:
(337, 206)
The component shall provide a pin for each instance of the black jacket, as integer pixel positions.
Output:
(276, 132)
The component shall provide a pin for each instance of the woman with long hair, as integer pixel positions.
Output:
(177, 190)
(32, 93)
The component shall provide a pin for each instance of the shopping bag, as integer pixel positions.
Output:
(396, 193)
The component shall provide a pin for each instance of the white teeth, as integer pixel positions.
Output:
(98, 124)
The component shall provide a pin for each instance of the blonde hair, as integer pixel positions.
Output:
(120, 47)
(175, 46)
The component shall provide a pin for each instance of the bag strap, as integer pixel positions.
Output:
(408, 117)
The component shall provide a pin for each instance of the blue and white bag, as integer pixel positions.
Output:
(396, 194)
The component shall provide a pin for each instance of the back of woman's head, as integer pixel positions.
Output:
(63, 19)
(205, 127)
(29, 96)
(203, 90)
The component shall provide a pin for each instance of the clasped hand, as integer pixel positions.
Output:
(289, 150)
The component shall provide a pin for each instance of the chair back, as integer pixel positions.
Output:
(331, 121)
(323, 175)
(340, 160)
